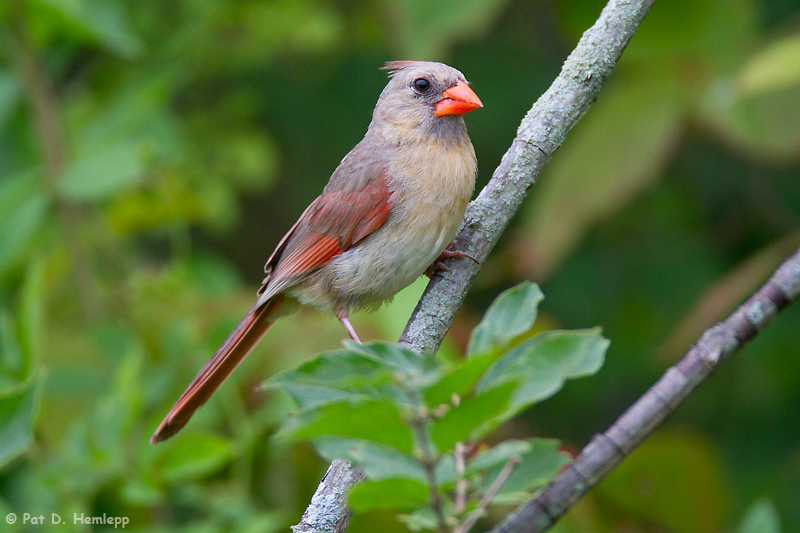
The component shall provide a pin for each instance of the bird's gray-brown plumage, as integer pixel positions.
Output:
(388, 212)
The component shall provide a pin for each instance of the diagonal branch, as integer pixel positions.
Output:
(328, 511)
(539, 135)
(606, 451)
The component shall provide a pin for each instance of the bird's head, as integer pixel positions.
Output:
(424, 99)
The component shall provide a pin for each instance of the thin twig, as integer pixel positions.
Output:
(461, 483)
(606, 451)
(429, 464)
(494, 488)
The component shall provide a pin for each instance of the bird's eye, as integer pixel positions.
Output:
(422, 85)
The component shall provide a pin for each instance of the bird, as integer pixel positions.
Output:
(389, 212)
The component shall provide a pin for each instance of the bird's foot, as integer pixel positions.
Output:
(447, 253)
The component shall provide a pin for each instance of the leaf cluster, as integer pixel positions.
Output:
(419, 426)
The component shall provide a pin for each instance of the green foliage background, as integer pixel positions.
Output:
(152, 154)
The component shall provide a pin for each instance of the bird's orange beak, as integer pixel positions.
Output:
(457, 100)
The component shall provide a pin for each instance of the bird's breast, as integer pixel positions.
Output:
(431, 187)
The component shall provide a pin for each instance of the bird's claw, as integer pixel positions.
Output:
(447, 253)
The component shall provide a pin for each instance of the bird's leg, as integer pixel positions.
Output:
(446, 254)
(343, 318)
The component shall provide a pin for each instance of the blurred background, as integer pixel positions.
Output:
(153, 153)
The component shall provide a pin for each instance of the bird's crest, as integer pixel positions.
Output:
(394, 66)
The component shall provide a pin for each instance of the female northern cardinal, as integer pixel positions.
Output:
(388, 212)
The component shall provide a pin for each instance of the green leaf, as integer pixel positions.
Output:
(473, 418)
(378, 461)
(12, 359)
(309, 395)
(761, 517)
(192, 457)
(333, 375)
(32, 313)
(774, 67)
(23, 209)
(421, 519)
(499, 454)
(388, 494)
(541, 364)
(428, 29)
(102, 174)
(104, 21)
(17, 408)
(358, 417)
(376, 369)
(539, 465)
(511, 314)
(764, 125)
(412, 370)
(9, 96)
(460, 380)
(141, 493)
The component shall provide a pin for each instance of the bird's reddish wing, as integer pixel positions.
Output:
(333, 223)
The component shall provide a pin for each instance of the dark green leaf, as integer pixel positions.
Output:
(510, 315)
(358, 417)
(17, 407)
(388, 494)
(473, 417)
(192, 457)
(541, 364)
(378, 461)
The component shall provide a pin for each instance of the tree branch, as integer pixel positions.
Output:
(539, 135)
(328, 511)
(606, 451)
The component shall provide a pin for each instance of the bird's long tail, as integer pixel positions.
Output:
(235, 348)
